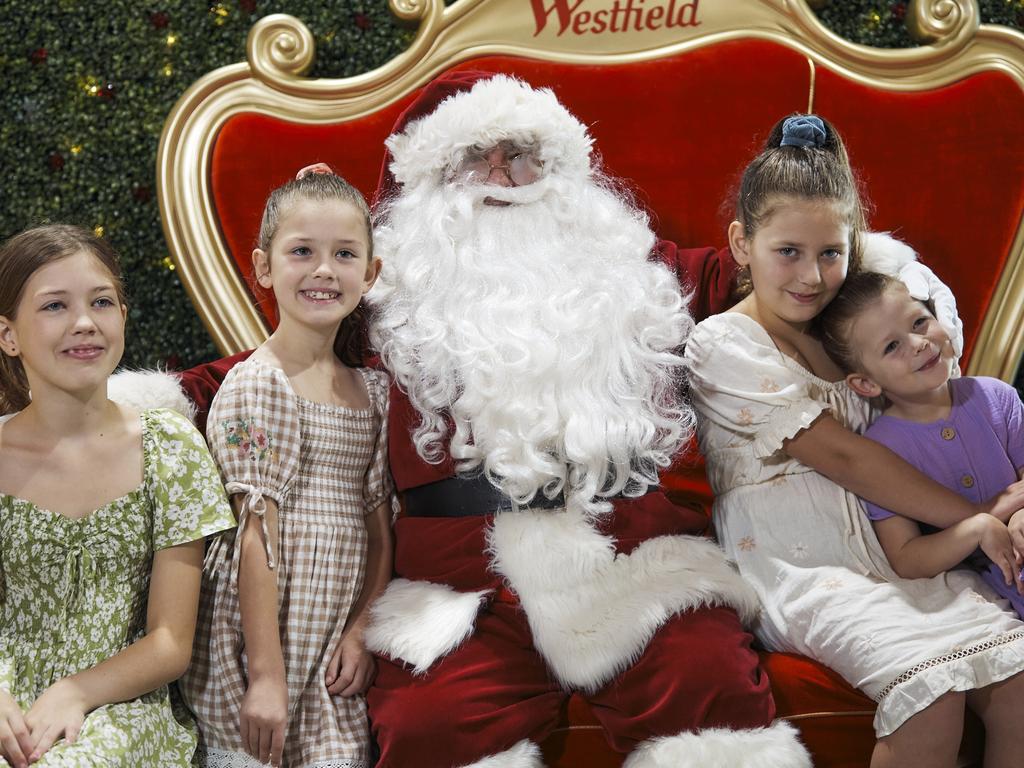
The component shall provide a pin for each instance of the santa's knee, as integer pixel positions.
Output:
(724, 675)
(411, 717)
(698, 671)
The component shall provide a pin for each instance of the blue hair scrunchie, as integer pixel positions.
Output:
(803, 131)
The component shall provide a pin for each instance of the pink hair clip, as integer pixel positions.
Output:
(314, 168)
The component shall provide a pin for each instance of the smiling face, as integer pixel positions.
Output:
(318, 263)
(902, 350)
(797, 258)
(68, 330)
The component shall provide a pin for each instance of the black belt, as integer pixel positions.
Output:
(463, 496)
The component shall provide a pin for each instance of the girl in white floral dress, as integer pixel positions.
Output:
(102, 516)
(777, 426)
(298, 431)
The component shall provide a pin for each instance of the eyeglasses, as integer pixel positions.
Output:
(521, 165)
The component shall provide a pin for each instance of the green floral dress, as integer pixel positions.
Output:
(73, 593)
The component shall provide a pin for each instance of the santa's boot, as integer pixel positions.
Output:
(776, 746)
(525, 754)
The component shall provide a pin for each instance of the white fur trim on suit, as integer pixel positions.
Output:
(494, 110)
(525, 754)
(419, 622)
(884, 253)
(776, 746)
(150, 389)
(592, 612)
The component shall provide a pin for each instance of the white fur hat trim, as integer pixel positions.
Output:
(494, 110)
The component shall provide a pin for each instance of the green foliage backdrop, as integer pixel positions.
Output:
(86, 87)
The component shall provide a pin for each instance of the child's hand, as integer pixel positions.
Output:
(60, 711)
(15, 739)
(995, 542)
(351, 668)
(1016, 528)
(263, 717)
(1006, 504)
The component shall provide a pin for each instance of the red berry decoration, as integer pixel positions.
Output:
(249, 6)
(55, 161)
(142, 193)
(106, 91)
(363, 21)
(899, 11)
(159, 19)
(38, 56)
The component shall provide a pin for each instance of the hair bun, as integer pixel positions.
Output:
(803, 131)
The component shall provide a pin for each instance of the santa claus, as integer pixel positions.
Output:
(533, 328)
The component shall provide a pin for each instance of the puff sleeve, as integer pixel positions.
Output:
(182, 484)
(378, 486)
(254, 435)
(742, 383)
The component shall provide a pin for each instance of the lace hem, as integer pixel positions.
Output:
(964, 669)
(222, 758)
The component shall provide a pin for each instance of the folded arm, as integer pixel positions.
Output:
(875, 473)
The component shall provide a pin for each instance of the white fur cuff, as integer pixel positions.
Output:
(150, 389)
(884, 253)
(776, 746)
(592, 612)
(525, 754)
(418, 622)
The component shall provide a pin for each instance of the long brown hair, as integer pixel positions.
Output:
(20, 257)
(819, 172)
(351, 342)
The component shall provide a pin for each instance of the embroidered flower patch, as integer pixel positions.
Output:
(245, 437)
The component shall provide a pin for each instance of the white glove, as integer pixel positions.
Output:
(923, 285)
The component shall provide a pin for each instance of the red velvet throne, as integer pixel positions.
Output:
(678, 100)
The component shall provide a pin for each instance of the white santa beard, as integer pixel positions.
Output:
(544, 332)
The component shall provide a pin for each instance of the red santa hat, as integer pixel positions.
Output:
(472, 108)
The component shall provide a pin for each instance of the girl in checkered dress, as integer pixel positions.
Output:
(298, 432)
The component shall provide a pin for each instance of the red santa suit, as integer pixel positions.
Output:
(494, 619)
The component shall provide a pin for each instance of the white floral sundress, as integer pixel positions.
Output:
(826, 587)
(74, 593)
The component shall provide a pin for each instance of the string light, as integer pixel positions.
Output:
(220, 14)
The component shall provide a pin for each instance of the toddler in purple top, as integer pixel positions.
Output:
(966, 433)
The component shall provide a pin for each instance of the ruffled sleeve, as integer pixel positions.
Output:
(182, 483)
(741, 382)
(378, 486)
(254, 435)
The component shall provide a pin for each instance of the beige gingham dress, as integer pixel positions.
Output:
(326, 468)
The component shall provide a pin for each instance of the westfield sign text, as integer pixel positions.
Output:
(596, 17)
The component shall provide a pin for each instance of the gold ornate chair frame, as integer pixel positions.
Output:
(280, 49)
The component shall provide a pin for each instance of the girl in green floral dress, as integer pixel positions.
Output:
(103, 511)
